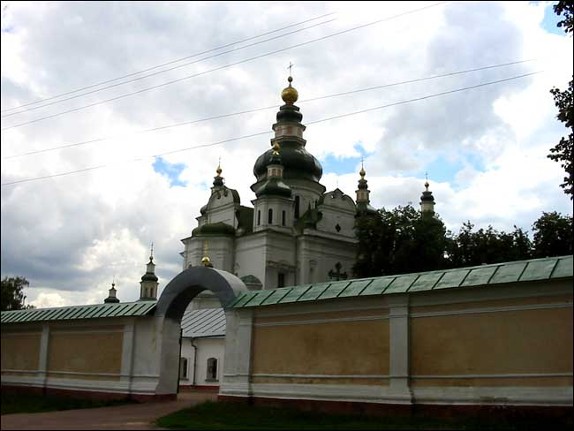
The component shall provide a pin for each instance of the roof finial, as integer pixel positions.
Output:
(289, 94)
(219, 170)
(151, 251)
(205, 261)
(427, 181)
(362, 171)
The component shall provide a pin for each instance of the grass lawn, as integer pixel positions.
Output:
(232, 416)
(28, 403)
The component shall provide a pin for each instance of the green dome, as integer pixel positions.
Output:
(214, 229)
(297, 163)
(148, 276)
(274, 187)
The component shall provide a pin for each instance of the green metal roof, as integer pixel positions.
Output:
(484, 275)
(96, 311)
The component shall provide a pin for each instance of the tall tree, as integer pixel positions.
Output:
(12, 294)
(563, 152)
(485, 246)
(553, 235)
(399, 241)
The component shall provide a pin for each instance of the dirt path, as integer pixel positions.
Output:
(125, 417)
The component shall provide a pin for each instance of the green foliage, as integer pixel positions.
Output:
(553, 235)
(565, 8)
(399, 241)
(485, 246)
(563, 152)
(404, 240)
(13, 297)
(238, 416)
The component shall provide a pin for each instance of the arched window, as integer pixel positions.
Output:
(258, 217)
(270, 216)
(211, 370)
(283, 218)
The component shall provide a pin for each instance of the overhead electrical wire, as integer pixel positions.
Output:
(169, 62)
(26, 180)
(249, 111)
(226, 66)
(166, 70)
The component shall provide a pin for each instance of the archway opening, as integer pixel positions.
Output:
(171, 306)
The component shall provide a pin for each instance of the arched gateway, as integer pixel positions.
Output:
(171, 305)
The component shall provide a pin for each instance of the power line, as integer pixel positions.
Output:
(225, 66)
(267, 132)
(168, 63)
(271, 107)
(163, 71)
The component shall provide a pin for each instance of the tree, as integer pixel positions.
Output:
(486, 246)
(552, 235)
(13, 293)
(563, 152)
(399, 241)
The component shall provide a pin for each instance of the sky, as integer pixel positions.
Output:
(115, 116)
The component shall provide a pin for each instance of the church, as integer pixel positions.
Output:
(296, 233)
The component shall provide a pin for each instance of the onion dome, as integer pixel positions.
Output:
(218, 180)
(112, 299)
(427, 200)
(289, 94)
(274, 184)
(150, 270)
(427, 195)
(297, 162)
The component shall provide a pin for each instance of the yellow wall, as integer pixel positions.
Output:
(85, 351)
(323, 345)
(20, 350)
(535, 341)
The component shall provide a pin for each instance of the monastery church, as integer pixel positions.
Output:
(296, 233)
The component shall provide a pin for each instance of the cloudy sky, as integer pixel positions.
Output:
(115, 115)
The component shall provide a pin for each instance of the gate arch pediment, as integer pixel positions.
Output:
(185, 286)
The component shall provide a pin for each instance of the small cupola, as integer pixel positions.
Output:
(427, 200)
(112, 299)
(149, 281)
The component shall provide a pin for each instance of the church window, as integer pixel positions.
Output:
(297, 204)
(211, 370)
(270, 216)
(183, 368)
(281, 279)
(283, 217)
(258, 217)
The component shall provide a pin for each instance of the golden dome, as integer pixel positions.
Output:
(362, 172)
(206, 261)
(289, 94)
